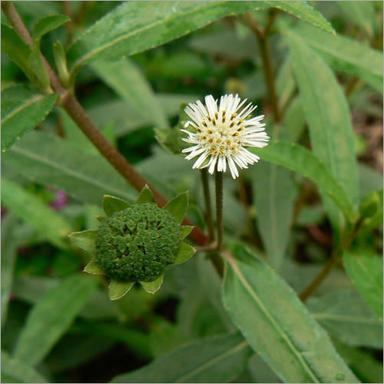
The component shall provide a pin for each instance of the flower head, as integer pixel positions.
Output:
(135, 242)
(220, 131)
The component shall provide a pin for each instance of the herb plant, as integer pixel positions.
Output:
(192, 191)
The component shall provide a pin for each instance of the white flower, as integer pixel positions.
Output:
(219, 133)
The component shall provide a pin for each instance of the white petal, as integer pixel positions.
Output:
(200, 160)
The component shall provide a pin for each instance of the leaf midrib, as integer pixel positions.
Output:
(21, 107)
(126, 36)
(269, 316)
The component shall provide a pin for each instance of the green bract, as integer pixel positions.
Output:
(136, 242)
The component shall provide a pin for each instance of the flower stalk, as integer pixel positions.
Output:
(208, 205)
(219, 209)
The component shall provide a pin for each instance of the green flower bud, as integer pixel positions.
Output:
(137, 243)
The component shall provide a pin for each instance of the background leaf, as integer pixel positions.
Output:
(275, 193)
(346, 316)
(302, 161)
(129, 83)
(277, 325)
(327, 113)
(365, 269)
(15, 371)
(218, 359)
(33, 211)
(347, 55)
(9, 244)
(53, 161)
(21, 111)
(51, 317)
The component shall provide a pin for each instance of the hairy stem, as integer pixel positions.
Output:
(208, 205)
(219, 209)
(79, 115)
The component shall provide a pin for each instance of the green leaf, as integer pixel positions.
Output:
(47, 24)
(365, 269)
(9, 244)
(15, 371)
(346, 316)
(32, 210)
(93, 269)
(363, 363)
(22, 111)
(361, 14)
(275, 193)
(347, 55)
(145, 195)
(218, 359)
(327, 113)
(118, 289)
(126, 119)
(16, 49)
(178, 206)
(185, 230)
(129, 29)
(126, 79)
(36, 64)
(300, 160)
(84, 240)
(152, 286)
(49, 160)
(303, 11)
(50, 318)
(112, 204)
(185, 252)
(277, 325)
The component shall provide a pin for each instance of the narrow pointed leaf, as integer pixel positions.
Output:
(47, 24)
(178, 206)
(49, 160)
(347, 55)
(277, 325)
(128, 81)
(346, 316)
(21, 111)
(185, 230)
(112, 204)
(218, 359)
(328, 117)
(93, 269)
(85, 240)
(51, 317)
(275, 193)
(145, 196)
(300, 160)
(118, 289)
(30, 208)
(186, 251)
(365, 269)
(152, 286)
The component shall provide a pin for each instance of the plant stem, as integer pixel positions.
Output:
(208, 205)
(262, 39)
(319, 278)
(332, 262)
(79, 115)
(219, 209)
